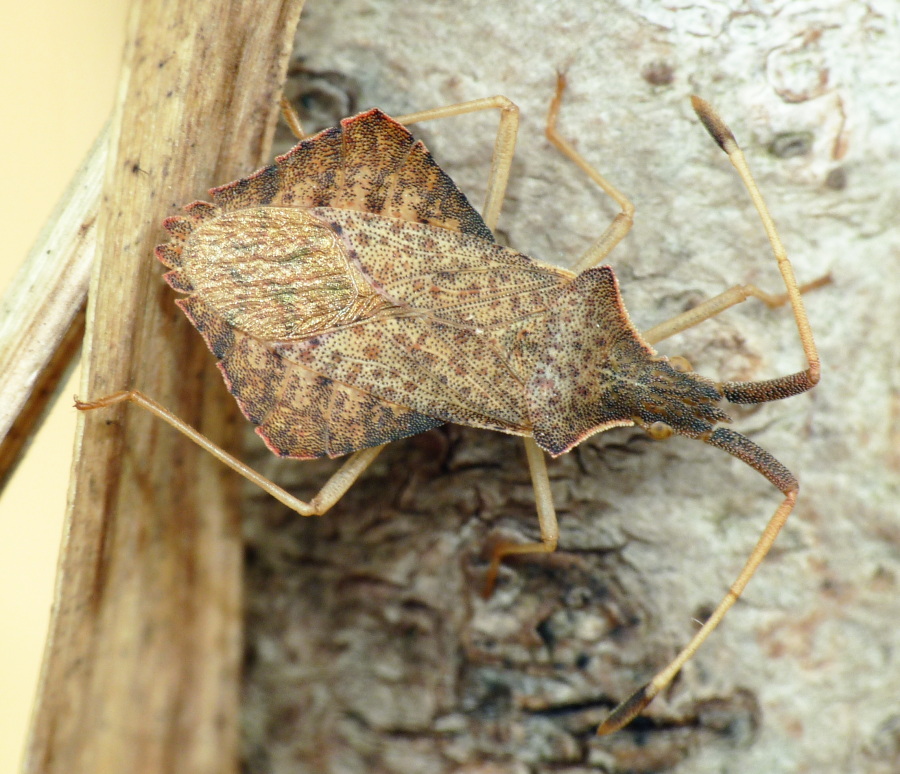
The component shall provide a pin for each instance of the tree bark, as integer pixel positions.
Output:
(368, 645)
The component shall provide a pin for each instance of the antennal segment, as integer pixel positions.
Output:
(759, 459)
(726, 141)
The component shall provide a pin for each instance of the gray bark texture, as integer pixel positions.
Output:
(369, 648)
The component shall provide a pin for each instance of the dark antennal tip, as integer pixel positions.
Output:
(627, 711)
(714, 124)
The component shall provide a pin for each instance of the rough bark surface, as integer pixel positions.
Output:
(369, 647)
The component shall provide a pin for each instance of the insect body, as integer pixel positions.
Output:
(338, 329)
(354, 297)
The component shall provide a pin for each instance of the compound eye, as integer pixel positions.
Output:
(659, 431)
(681, 364)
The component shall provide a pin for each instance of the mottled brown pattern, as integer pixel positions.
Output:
(314, 416)
(755, 456)
(423, 192)
(275, 272)
(437, 369)
(354, 297)
(596, 372)
(169, 255)
(219, 336)
(259, 274)
(459, 278)
(370, 163)
(439, 347)
(770, 389)
(299, 413)
(254, 375)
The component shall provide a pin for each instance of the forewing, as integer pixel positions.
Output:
(265, 274)
(452, 276)
(273, 272)
(413, 316)
(369, 163)
(450, 341)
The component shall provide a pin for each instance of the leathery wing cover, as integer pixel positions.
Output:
(353, 297)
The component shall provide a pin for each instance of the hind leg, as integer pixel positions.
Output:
(328, 495)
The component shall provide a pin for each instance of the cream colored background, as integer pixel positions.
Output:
(58, 67)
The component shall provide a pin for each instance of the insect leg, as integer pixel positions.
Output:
(546, 517)
(327, 496)
(720, 303)
(622, 223)
(746, 451)
(504, 145)
(291, 118)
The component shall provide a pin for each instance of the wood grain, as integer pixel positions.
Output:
(42, 310)
(142, 666)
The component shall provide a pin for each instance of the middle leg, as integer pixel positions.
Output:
(543, 499)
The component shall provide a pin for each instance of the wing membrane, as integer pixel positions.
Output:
(445, 342)
(394, 311)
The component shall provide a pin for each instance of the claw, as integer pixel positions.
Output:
(107, 400)
(628, 710)
(490, 580)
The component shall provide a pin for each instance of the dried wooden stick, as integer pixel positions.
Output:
(41, 312)
(141, 670)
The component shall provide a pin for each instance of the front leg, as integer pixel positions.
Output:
(617, 230)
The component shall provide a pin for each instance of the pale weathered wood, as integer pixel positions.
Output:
(41, 304)
(57, 357)
(141, 670)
